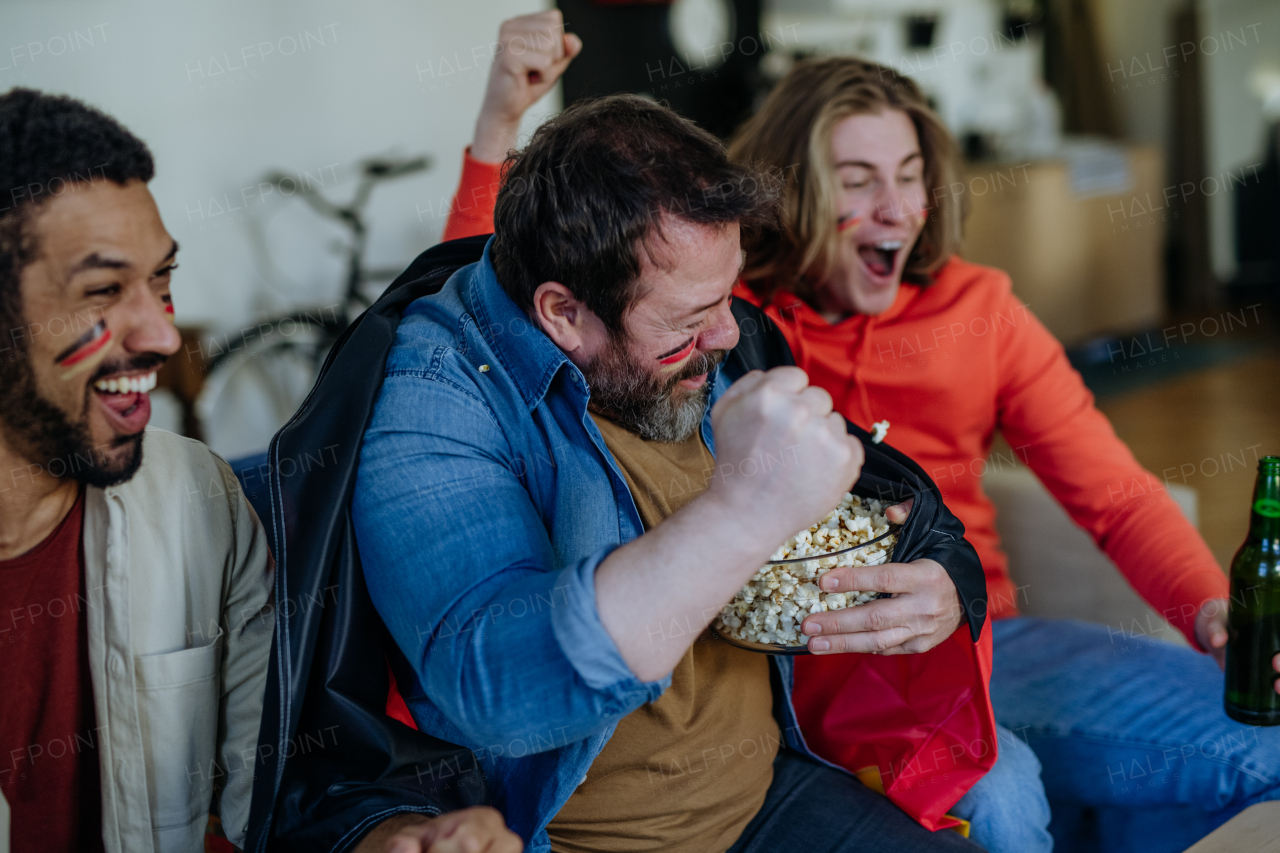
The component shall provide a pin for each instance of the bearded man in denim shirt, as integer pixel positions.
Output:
(547, 534)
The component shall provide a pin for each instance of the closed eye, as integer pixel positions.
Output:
(676, 350)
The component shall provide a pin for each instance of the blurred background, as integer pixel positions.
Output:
(1122, 164)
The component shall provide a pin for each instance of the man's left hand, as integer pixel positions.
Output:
(924, 611)
(1211, 629)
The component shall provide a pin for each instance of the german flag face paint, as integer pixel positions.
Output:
(168, 306)
(678, 354)
(847, 221)
(87, 352)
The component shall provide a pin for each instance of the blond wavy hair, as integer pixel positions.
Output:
(792, 133)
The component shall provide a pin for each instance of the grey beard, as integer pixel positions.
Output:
(654, 408)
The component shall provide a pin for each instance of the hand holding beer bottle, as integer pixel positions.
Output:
(1252, 689)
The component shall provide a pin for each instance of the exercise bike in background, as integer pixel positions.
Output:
(258, 377)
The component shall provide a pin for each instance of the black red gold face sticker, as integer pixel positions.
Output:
(847, 221)
(87, 352)
(678, 354)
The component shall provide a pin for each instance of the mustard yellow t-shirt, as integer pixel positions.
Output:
(684, 774)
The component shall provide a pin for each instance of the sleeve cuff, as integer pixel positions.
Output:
(583, 638)
(471, 212)
(480, 180)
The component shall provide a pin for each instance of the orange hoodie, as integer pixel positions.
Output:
(948, 365)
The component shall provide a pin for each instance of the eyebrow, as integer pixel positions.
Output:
(173, 250)
(706, 307)
(94, 261)
(742, 264)
(865, 165)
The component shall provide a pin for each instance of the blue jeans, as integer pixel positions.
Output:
(1128, 723)
(1007, 809)
(812, 808)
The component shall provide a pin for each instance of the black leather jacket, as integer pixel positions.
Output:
(331, 763)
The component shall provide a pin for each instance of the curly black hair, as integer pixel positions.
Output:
(49, 144)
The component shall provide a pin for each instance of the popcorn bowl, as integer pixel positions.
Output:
(766, 613)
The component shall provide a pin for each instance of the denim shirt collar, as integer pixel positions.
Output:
(527, 355)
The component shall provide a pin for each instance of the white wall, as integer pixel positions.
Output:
(357, 79)
(1237, 38)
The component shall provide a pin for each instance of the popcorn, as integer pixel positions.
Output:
(770, 608)
(879, 430)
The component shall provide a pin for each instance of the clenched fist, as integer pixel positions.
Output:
(783, 456)
(533, 51)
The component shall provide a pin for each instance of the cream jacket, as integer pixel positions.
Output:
(179, 586)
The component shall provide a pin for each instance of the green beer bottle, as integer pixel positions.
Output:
(1254, 617)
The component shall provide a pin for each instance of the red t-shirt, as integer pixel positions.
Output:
(48, 728)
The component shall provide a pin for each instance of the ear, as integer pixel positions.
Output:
(569, 323)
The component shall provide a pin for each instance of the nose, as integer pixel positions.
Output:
(147, 326)
(891, 204)
(722, 333)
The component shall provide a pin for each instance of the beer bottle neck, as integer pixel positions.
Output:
(1264, 518)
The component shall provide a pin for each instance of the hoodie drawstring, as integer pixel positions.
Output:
(859, 363)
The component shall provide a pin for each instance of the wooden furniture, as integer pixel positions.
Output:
(1086, 264)
(184, 374)
(1254, 830)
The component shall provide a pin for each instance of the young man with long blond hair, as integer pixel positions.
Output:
(880, 310)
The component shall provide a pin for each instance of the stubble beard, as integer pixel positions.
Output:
(46, 436)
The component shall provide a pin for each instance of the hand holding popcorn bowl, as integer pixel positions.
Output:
(766, 614)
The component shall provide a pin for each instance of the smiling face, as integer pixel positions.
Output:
(881, 201)
(99, 323)
(652, 378)
(686, 279)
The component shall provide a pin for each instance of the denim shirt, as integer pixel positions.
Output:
(485, 500)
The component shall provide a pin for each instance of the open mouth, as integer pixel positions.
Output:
(124, 400)
(880, 258)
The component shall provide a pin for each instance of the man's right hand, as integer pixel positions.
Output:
(479, 829)
(783, 457)
(783, 460)
(534, 50)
